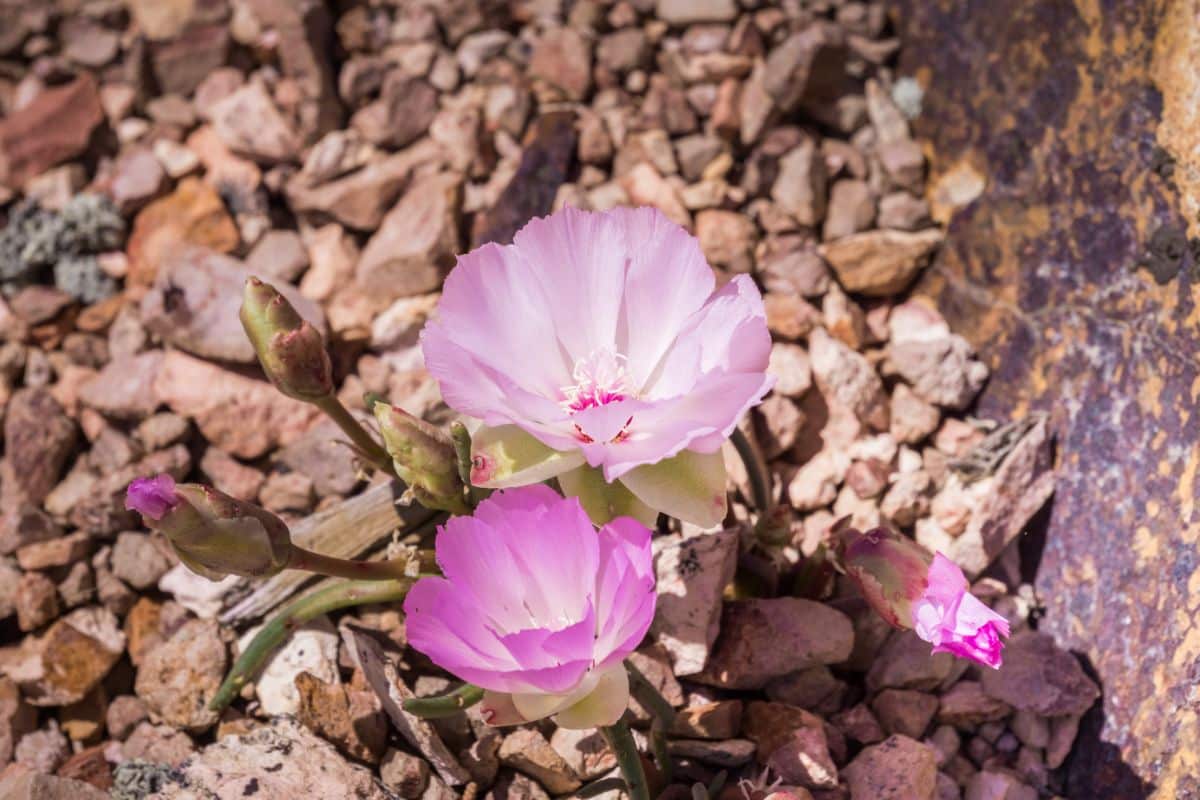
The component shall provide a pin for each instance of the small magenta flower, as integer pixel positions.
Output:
(954, 621)
(537, 607)
(152, 497)
(912, 589)
(598, 343)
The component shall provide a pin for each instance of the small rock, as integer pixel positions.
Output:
(35, 786)
(727, 239)
(71, 658)
(851, 209)
(416, 243)
(528, 751)
(692, 575)
(509, 786)
(17, 718)
(231, 476)
(903, 211)
(966, 705)
(847, 380)
(123, 715)
(905, 662)
(403, 773)
(240, 415)
(813, 689)
(403, 112)
(880, 263)
(563, 58)
(138, 176)
(124, 388)
(729, 754)
(179, 677)
(360, 199)
(584, 751)
(904, 711)
(195, 301)
(791, 743)
(645, 186)
(287, 491)
(55, 126)
(895, 769)
(997, 785)
(913, 419)
(1031, 729)
(160, 744)
(269, 763)
(859, 724)
(687, 12)
(904, 163)
(806, 68)
(794, 268)
(43, 750)
(278, 254)
(800, 188)
(35, 600)
(59, 552)
(249, 124)
(350, 719)
(763, 639)
(38, 439)
(193, 214)
(719, 720)
(1037, 676)
(138, 561)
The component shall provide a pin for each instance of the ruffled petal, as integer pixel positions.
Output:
(625, 597)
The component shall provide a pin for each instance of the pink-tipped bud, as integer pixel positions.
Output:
(424, 457)
(889, 568)
(929, 593)
(290, 349)
(213, 534)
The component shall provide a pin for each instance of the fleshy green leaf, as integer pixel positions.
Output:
(604, 501)
(690, 486)
(506, 456)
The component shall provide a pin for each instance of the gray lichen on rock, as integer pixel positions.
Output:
(38, 244)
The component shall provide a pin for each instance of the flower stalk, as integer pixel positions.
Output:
(756, 470)
(335, 567)
(444, 705)
(620, 741)
(296, 614)
(364, 442)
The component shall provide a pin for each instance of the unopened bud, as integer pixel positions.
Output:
(890, 569)
(213, 534)
(424, 457)
(290, 349)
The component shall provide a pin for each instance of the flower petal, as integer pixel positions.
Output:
(497, 708)
(603, 706)
(690, 486)
(625, 598)
(604, 501)
(506, 456)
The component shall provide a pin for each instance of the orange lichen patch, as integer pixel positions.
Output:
(1176, 72)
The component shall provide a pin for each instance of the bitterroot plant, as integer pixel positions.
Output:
(599, 372)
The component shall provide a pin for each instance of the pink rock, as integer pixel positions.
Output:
(249, 123)
(563, 58)
(242, 416)
(54, 127)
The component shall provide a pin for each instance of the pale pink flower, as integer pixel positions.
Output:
(538, 607)
(600, 339)
(954, 621)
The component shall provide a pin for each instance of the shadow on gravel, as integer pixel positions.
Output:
(1094, 769)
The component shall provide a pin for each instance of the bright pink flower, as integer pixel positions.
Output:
(600, 335)
(537, 607)
(954, 621)
(152, 497)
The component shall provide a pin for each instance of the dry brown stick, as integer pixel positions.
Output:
(346, 531)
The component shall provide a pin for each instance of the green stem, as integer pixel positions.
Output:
(620, 741)
(444, 705)
(365, 442)
(335, 567)
(756, 470)
(297, 613)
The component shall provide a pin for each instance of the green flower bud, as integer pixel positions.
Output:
(424, 457)
(890, 569)
(215, 535)
(290, 349)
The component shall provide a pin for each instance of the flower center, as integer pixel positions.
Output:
(600, 378)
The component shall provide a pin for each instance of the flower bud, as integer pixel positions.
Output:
(213, 534)
(889, 568)
(424, 457)
(290, 349)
